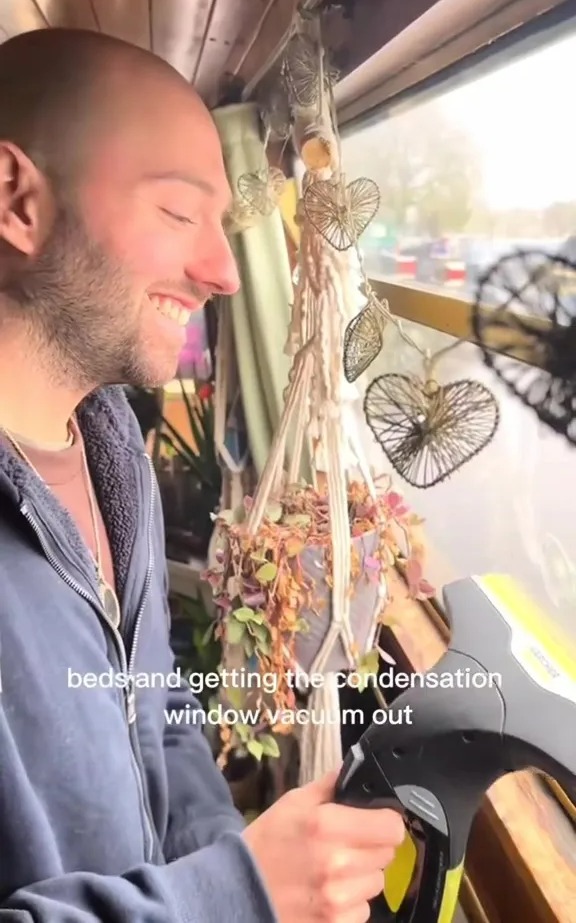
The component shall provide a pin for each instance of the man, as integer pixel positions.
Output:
(112, 194)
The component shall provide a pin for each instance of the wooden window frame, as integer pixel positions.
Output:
(449, 43)
(452, 315)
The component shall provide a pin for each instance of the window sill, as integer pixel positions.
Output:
(451, 314)
(521, 860)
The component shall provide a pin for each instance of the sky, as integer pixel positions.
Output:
(523, 120)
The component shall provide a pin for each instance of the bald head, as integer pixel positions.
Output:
(113, 191)
(59, 87)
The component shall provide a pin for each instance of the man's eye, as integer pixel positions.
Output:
(182, 219)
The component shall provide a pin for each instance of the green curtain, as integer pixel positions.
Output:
(261, 309)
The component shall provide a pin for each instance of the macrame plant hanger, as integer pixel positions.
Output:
(315, 397)
(226, 397)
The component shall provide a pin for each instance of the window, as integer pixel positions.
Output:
(472, 174)
(508, 509)
(464, 178)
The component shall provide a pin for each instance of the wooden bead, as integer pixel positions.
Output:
(316, 153)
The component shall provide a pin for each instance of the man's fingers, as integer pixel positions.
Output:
(360, 914)
(345, 895)
(354, 863)
(361, 828)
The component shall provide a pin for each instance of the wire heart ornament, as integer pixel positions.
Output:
(427, 430)
(301, 69)
(341, 213)
(532, 300)
(240, 217)
(262, 189)
(364, 338)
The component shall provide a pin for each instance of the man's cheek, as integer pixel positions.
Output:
(156, 253)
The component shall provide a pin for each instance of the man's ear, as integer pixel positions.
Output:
(24, 201)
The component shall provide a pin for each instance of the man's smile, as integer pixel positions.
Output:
(172, 308)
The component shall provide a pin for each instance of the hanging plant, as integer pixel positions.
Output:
(299, 572)
(272, 593)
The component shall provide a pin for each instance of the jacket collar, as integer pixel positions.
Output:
(114, 449)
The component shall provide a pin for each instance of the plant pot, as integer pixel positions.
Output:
(364, 606)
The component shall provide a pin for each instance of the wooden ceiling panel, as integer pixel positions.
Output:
(254, 23)
(207, 41)
(230, 22)
(127, 19)
(22, 16)
(266, 41)
(222, 46)
(73, 14)
(178, 30)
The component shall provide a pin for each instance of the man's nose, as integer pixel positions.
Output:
(215, 266)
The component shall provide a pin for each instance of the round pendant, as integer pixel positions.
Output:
(110, 603)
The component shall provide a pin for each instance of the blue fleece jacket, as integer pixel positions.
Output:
(107, 811)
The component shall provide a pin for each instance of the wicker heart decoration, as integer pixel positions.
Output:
(341, 213)
(262, 189)
(301, 71)
(426, 430)
(363, 339)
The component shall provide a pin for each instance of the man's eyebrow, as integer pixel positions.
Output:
(182, 177)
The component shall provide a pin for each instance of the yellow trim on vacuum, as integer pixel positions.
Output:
(399, 873)
(548, 654)
(451, 893)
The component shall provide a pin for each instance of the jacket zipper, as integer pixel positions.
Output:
(148, 578)
(127, 665)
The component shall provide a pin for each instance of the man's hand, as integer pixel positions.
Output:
(322, 862)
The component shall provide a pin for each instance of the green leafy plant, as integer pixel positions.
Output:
(261, 586)
(200, 458)
(196, 648)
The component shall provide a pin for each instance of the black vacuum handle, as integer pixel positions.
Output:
(362, 783)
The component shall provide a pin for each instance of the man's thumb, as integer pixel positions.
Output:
(322, 789)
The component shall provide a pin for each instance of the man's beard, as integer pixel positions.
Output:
(79, 308)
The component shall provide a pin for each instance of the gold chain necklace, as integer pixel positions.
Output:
(108, 597)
